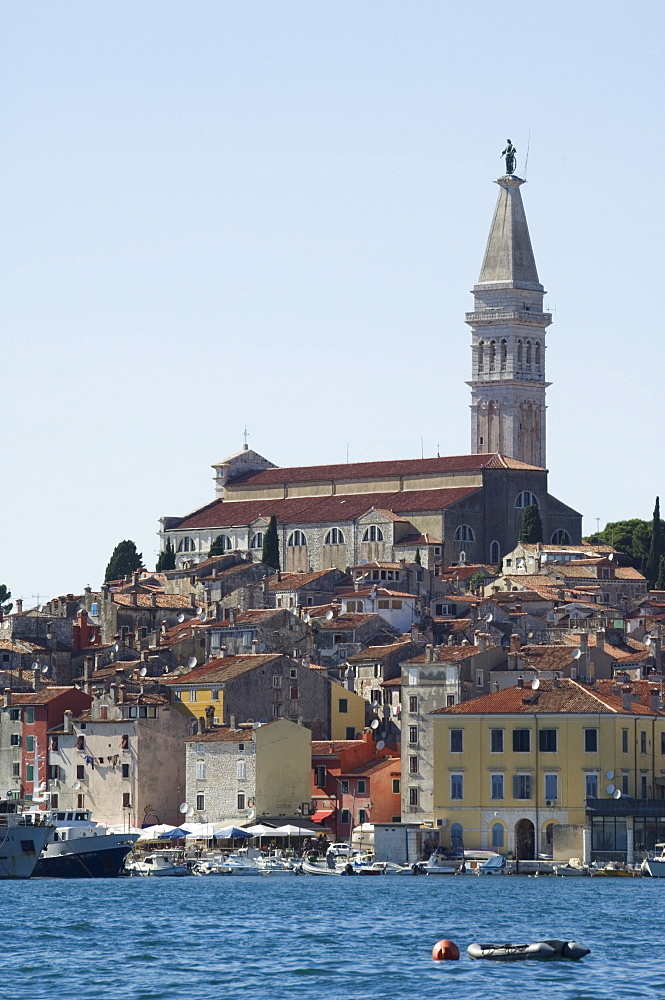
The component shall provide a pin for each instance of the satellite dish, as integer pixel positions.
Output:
(329, 615)
(617, 793)
(143, 671)
(535, 684)
(180, 618)
(647, 640)
(91, 640)
(577, 654)
(530, 635)
(202, 616)
(610, 789)
(380, 745)
(250, 814)
(199, 611)
(190, 812)
(45, 668)
(611, 556)
(262, 647)
(116, 647)
(76, 786)
(35, 665)
(375, 705)
(183, 807)
(191, 662)
(490, 618)
(374, 724)
(609, 775)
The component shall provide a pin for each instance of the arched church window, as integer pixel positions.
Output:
(481, 355)
(464, 534)
(334, 537)
(186, 545)
(495, 553)
(462, 558)
(257, 541)
(561, 537)
(373, 534)
(224, 542)
(528, 353)
(520, 354)
(492, 353)
(537, 352)
(297, 538)
(504, 354)
(526, 499)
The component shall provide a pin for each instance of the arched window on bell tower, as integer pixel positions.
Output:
(481, 354)
(503, 355)
(492, 354)
(520, 355)
(528, 354)
(537, 353)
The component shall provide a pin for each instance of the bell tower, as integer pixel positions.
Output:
(508, 339)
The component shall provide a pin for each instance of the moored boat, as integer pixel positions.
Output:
(164, 864)
(655, 867)
(21, 840)
(538, 950)
(80, 847)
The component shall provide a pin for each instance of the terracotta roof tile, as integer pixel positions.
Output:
(446, 654)
(369, 767)
(293, 581)
(222, 669)
(165, 601)
(223, 735)
(41, 697)
(372, 653)
(569, 697)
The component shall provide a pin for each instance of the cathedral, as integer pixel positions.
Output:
(453, 510)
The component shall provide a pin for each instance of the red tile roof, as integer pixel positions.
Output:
(390, 468)
(222, 669)
(41, 697)
(165, 601)
(223, 735)
(315, 510)
(373, 653)
(447, 654)
(569, 696)
(293, 581)
(349, 621)
(369, 767)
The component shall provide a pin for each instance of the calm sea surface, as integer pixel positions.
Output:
(365, 938)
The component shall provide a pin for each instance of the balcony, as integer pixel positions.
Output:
(497, 317)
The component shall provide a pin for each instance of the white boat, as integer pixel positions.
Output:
(21, 840)
(79, 847)
(655, 866)
(574, 867)
(158, 863)
(239, 864)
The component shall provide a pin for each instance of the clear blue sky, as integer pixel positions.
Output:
(217, 213)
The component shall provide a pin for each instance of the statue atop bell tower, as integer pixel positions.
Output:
(508, 335)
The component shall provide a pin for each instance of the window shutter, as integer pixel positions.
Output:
(516, 786)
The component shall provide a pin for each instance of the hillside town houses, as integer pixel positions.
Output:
(411, 661)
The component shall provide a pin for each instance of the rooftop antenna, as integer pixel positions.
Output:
(422, 452)
(526, 159)
(347, 452)
(245, 434)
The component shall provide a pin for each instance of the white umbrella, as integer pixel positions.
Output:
(153, 832)
(202, 831)
(289, 830)
(119, 828)
(260, 830)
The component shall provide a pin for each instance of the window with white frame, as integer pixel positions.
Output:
(373, 534)
(457, 786)
(335, 536)
(591, 784)
(223, 542)
(186, 544)
(464, 533)
(561, 537)
(297, 539)
(497, 786)
(241, 767)
(522, 786)
(551, 787)
(200, 770)
(526, 499)
(257, 541)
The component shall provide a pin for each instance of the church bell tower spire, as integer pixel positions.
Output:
(508, 338)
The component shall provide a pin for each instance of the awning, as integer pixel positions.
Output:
(320, 815)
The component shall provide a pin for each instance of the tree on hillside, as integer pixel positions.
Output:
(5, 604)
(218, 547)
(417, 557)
(660, 582)
(166, 558)
(631, 538)
(271, 545)
(477, 580)
(532, 526)
(655, 548)
(124, 560)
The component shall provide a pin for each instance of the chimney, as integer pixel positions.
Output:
(223, 650)
(135, 578)
(465, 642)
(121, 694)
(429, 653)
(350, 679)
(113, 688)
(255, 647)
(192, 600)
(626, 698)
(153, 600)
(8, 697)
(232, 722)
(200, 725)
(105, 592)
(495, 686)
(414, 633)
(134, 599)
(233, 615)
(518, 609)
(483, 641)
(37, 679)
(515, 643)
(584, 642)
(654, 699)
(87, 673)
(145, 655)
(119, 675)
(520, 682)
(451, 640)
(210, 715)
(129, 640)
(19, 605)
(68, 724)
(600, 639)
(555, 682)
(473, 615)
(279, 576)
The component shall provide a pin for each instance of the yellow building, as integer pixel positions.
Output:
(347, 713)
(511, 766)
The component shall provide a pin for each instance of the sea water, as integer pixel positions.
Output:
(284, 938)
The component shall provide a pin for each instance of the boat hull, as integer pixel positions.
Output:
(72, 859)
(20, 847)
(654, 867)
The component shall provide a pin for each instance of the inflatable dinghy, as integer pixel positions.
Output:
(542, 950)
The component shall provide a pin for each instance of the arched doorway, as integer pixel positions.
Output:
(525, 840)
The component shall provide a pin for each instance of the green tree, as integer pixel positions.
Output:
(631, 538)
(124, 560)
(660, 582)
(5, 604)
(532, 526)
(417, 557)
(166, 558)
(271, 545)
(655, 547)
(477, 580)
(218, 546)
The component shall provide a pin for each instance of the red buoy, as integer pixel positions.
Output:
(445, 951)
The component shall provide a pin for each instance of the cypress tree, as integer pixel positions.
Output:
(660, 582)
(655, 548)
(417, 557)
(124, 560)
(217, 547)
(271, 545)
(532, 526)
(5, 604)
(166, 559)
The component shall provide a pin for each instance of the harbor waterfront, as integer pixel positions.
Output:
(284, 939)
